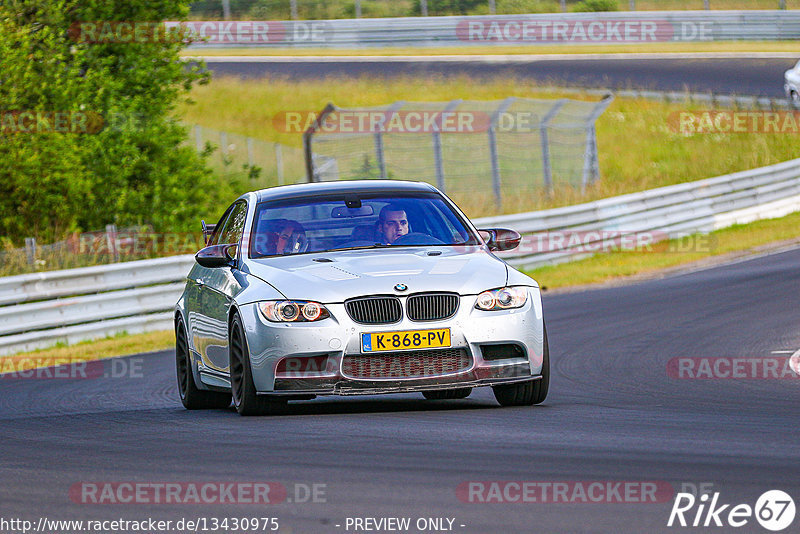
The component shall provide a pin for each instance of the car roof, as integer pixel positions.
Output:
(346, 186)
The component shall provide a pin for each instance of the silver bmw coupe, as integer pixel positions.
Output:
(355, 288)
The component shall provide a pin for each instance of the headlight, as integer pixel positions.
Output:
(505, 298)
(292, 311)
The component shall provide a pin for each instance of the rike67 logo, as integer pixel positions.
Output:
(774, 510)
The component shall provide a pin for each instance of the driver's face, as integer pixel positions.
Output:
(394, 226)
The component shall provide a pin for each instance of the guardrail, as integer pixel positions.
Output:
(39, 310)
(42, 309)
(630, 27)
(657, 214)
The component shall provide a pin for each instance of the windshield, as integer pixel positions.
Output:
(356, 220)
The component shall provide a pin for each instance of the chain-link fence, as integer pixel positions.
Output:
(83, 249)
(498, 149)
(256, 163)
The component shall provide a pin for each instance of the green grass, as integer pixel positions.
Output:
(514, 49)
(118, 345)
(638, 150)
(723, 244)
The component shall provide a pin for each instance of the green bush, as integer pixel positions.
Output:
(134, 170)
(596, 5)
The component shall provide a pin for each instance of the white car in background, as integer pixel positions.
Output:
(792, 85)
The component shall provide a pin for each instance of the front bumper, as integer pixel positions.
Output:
(470, 329)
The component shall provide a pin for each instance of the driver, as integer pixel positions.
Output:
(392, 223)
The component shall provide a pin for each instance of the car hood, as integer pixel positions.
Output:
(348, 274)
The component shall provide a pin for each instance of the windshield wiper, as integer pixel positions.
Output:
(362, 247)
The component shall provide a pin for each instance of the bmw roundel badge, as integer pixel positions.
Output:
(401, 287)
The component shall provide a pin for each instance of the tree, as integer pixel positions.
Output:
(120, 155)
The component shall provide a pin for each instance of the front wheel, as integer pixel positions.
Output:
(530, 392)
(243, 390)
(192, 397)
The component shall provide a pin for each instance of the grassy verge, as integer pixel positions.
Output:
(638, 147)
(644, 48)
(119, 345)
(721, 244)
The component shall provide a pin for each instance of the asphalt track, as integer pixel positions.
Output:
(761, 77)
(613, 414)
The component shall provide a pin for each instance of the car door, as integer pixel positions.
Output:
(216, 290)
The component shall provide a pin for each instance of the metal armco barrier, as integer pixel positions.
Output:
(657, 214)
(554, 28)
(42, 309)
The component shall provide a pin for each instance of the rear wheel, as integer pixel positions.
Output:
(192, 397)
(447, 394)
(243, 390)
(530, 392)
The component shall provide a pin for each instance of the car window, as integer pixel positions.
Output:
(326, 223)
(214, 239)
(231, 231)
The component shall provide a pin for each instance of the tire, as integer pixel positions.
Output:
(192, 397)
(243, 390)
(530, 392)
(447, 394)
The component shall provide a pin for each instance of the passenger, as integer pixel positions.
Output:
(291, 238)
(282, 236)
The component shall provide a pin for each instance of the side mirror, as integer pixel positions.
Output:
(501, 238)
(216, 256)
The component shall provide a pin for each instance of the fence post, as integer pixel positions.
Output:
(279, 162)
(591, 165)
(437, 147)
(358, 9)
(223, 142)
(111, 241)
(492, 7)
(311, 174)
(30, 250)
(706, 4)
(563, 6)
(633, 5)
(226, 9)
(543, 135)
(423, 7)
(782, 4)
(496, 183)
(380, 153)
(293, 9)
(198, 138)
